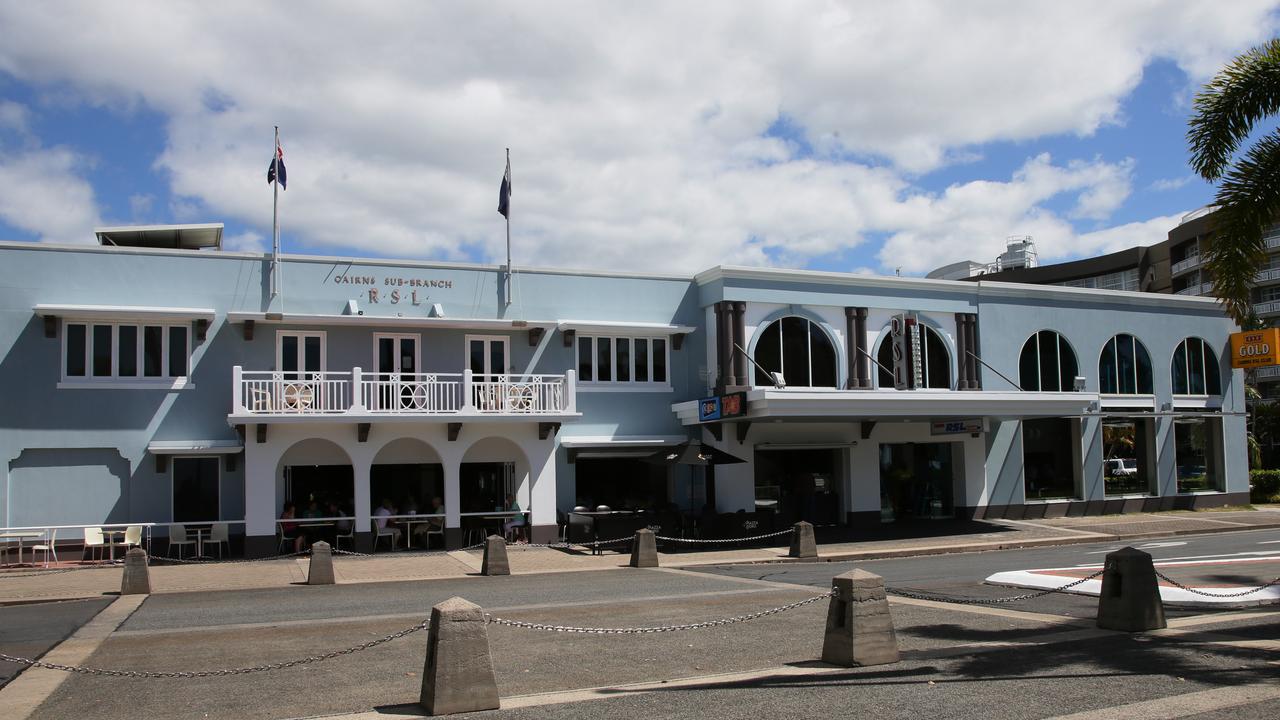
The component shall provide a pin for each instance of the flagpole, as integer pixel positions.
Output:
(508, 217)
(275, 216)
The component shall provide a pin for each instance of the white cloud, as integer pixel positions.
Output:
(637, 130)
(42, 191)
(248, 241)
(1167, 184)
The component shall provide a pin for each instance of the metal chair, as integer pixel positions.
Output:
(218, 535)
(46, 547)
(178, 538)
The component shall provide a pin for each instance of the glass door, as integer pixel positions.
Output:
(487, 360)
(397, 362)
(300, 356)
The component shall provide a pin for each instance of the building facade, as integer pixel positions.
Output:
(147, 380)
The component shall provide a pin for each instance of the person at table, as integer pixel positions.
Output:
(342, 524)
(290, 530)
(313, 510)
(382, 516)
(514, 526)
(433, 524)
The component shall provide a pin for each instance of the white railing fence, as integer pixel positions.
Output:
(517, 395)
(412, 393)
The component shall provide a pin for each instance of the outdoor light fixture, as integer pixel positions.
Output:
(702, 456)
(673, 456)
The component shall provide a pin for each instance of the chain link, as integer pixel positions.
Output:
(915, 595)
(223, 561)
(724, 540)
(1205, 593)
(493, 620)
(81, 670)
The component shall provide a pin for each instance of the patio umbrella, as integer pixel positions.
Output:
(696, 453)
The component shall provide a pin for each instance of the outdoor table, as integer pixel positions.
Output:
(21, 535)
(317, 525)
(109, 536)
(410, 522)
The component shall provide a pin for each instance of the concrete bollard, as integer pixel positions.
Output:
(803, 545)
(644, 549)
(1130, 597)
(137, 578)
(495, 557)
(859, 626)
(320, 572)
(458, 676)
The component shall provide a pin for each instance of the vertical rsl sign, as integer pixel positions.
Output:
(1255, 348)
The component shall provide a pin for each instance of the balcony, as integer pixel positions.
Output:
(1267, 276)
(357, 394)
(1266, 373)
(1190, 262)
(1265, 309)
(1205, 289)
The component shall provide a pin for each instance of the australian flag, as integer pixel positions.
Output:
(277, 162)
(504, 193)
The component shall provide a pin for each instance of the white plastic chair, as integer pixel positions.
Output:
(392, 534)
(93, 541)
(349, 535)
(132, 537)
(219, 535)
(433, 529)
(178, 538)
(46, 547)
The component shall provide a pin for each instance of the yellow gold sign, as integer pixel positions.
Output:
(1255, 348)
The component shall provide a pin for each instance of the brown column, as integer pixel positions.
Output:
(850, 349)
(739, 337)
(962, 345)
(975, 378)
(860, 336)
(722, 340)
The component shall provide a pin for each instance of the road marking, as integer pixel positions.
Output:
(1186, 704)
(1268, 542)
(24, 693)
(998, 612)
(1063, 528)
(1151, 546)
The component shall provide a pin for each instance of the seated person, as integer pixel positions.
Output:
(433, 524)
(513, 528)
(386, 526)
(343, 524)
(290, 530)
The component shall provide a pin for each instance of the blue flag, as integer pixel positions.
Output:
(277, 162)
(504, 193)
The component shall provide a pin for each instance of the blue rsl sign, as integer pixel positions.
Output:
(722, 407)
(969, 426)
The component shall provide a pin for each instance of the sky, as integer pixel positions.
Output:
(864, 137)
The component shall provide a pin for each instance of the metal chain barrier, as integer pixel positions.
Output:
(407, 553)
(494, 620)
(725, 540)
(54, 571)
(227, 561)
(216, 673)
(569, 545)
(915, 595)
(1205, 593)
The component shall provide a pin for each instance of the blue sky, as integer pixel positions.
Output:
(837, 135)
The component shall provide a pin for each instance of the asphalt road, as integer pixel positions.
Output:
(30, 630)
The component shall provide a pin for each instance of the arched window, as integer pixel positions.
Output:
(935, 361)
(1195, 369)
(800, 350)
(1047, 364)
(1125, 367)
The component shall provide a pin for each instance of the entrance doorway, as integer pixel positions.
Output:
(305, 485)
(799, 484)
(916, 481)
(484, 486)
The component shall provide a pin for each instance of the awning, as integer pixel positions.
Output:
(371, 320)
(142, 313)
(194, 447)
(617, 446)
(634, 329)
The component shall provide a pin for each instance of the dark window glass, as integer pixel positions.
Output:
(408, 355)
(289, 356)
(769, 353)
(75, 350)
(195, 489)
(604, 359)
(884, 358)
(624, 360)
(1179, 369)
(497, 359)
(659, 360)
(822, 357)
(311, 350)
(642, 360)
(152, 351)
(386, 355)
(1126, 364)
(1126, 447)
(477, 357)
(102, 350)
(1067, 362)
(1029, 365)
(1107, 369)
(178, 351)
(1195, 366)
(795, 351)
(1048, 464)
(1142, 370)
(937, 363)
(1050, 380)
(584, 359)
(1195, 453)
(1213, 383)
(127, 361)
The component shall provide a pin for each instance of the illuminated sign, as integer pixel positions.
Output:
(970, 426)
(1255, 348)
(722, 407)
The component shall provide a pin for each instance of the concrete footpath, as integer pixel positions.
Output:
(28, 585)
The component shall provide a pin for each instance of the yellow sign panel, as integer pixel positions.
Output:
(1255, 348)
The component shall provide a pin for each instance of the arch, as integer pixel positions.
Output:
(321, 470)
(804, 351)
(1124, 367)
(406, 450)
(481, 460)
(1047, 363)
(315, 451)
(1193, 369)
(937, 365)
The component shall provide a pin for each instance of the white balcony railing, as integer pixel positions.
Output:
(1188, 263)
(1266, 276)
(331, 393)
(1267, 308)
(1205, 289)
(1267, 372)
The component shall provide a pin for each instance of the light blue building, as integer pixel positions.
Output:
(154, 377)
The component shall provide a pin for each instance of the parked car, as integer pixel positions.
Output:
(1121, 467)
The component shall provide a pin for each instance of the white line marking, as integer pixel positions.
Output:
(1183, 705)
(1151, 546)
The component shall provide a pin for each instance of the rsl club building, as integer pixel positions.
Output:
(155, 378)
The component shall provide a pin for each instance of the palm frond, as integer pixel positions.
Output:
(1249, 202)
(1244, 92)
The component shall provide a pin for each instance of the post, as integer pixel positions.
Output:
(458, 676)
(803, 545)
(1130, 598)
(237, 390)
(136, 579)
(507, 295)
(859, 625)
(320, 572)
(357, 391)
(644, 549)
(275, 217)
(495, 557)
(468, 401)
(571, 390)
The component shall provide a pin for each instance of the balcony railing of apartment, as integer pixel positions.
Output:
(1188, 263)
(1271, 241)
(1264, 276)
(1205, 289)
(358, 393)
(1270, 371)
(1267, 308)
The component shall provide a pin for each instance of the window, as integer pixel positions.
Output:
(487, 357)
(1197, 451)
(1047, 364)
(935, 361)
(300, 355)
(1195, 369)
(798, 349)
(1049, 459)
(112, 353)
(195, 489)
(622, 361)
(1125, 367)
(1128, 447)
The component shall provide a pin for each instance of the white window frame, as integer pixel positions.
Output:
(506, 352)
(173, 490)
(614, 384)
(396, 338)
(1205, 367)
(115, 381)
(302, 335)
(1137, 343)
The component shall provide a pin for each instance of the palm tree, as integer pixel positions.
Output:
(1243, 93)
